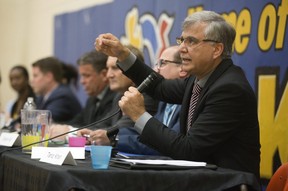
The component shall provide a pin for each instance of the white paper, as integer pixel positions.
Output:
(77, 152)
(165, 162)
(8, 139)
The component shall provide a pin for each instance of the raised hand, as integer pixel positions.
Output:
(111, 46)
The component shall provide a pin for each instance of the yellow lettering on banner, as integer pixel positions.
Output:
(282, 14)
(281, 123)
(243, 28)
(230, 18)
(266, 108)
(267, 27)
(273, 128)
(133, 29)
(194, 9)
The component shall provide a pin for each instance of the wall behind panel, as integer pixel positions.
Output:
(27, 28)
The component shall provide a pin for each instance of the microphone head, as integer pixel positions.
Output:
(152, 77)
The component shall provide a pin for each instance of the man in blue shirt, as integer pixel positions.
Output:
(169, 66)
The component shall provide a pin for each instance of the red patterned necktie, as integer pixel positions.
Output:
(193, 101)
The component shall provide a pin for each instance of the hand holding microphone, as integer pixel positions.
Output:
(132, 103)
(130, 97)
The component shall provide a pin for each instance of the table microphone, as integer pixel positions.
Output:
(146, 83)
(110, 132)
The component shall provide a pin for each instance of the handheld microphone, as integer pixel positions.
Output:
(146, 83)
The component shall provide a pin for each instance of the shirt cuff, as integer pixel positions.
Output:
(141, 122)
(128, 62)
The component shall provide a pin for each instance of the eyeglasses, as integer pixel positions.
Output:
(192, 41)
(162, 62)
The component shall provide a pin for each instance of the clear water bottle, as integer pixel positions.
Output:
(30, 104)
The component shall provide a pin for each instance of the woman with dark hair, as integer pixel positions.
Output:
(19, 80)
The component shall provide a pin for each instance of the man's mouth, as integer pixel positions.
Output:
(185, 60)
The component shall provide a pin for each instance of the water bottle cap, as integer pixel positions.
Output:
(30, 99)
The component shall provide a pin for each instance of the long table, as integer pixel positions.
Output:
(19, 172)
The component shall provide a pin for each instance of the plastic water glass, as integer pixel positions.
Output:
(100, 156)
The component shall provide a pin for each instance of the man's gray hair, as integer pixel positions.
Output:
(217, 29)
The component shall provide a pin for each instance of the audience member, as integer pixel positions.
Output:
(51, 94)
(119, 83)
(19, 80)
(219, 122)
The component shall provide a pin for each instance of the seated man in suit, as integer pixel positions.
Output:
(93, 73)
(119, 83)
(169, 66)
(51, 94)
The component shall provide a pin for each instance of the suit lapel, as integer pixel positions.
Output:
(188, 93)
(215, 75)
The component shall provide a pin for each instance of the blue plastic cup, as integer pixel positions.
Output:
(100, 156)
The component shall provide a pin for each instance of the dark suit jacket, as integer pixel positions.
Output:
(89, 114)
(225, 129)
(129, 138)
(62, 103)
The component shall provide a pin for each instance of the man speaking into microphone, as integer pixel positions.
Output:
(219, 122)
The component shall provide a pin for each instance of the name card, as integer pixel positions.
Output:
(58, 157)
(8, 139)
(76, 152)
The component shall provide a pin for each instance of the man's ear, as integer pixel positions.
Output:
(103, 73)
(218, 49)
(49, 76)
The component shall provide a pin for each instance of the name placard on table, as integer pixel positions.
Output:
(9, 139)
(58, 155)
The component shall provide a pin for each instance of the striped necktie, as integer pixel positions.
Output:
(193, 101)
